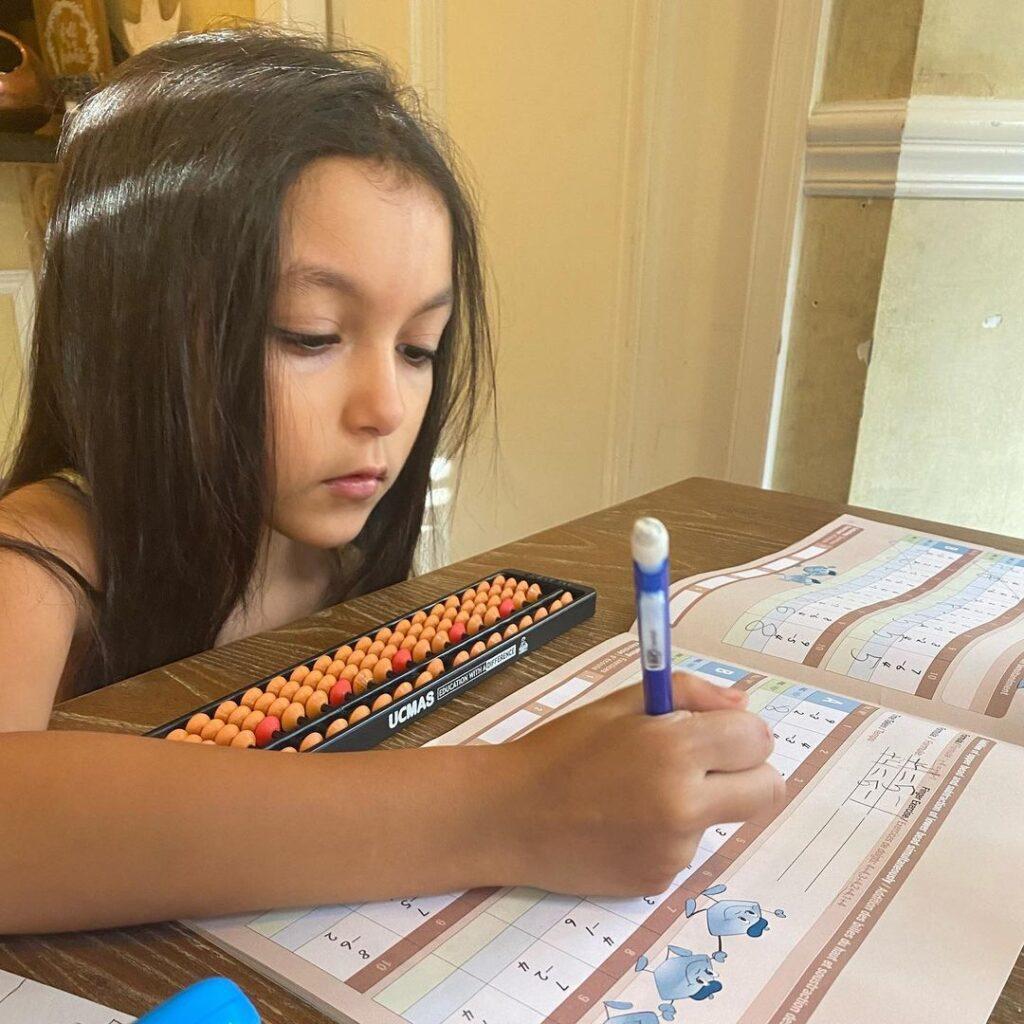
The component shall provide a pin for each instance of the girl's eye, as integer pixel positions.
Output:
(308, 342)
(417, 356)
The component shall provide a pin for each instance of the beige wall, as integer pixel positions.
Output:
(869, 56)
(971, 48)
(615, 147)
(942, 433)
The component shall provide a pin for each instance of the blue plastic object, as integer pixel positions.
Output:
(214, 1001)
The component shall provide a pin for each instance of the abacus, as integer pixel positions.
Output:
(353, 695)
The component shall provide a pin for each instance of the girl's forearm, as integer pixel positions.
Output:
(99, 830)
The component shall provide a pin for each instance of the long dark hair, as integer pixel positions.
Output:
(149, 348)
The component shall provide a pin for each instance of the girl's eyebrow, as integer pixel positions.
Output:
(310, 275)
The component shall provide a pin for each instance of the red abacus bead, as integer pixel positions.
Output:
(400, 660)
(266, 730)
(339, 691)
(506, 607)
(457, 632)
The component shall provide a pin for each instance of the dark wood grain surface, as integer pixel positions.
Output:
(712, 524)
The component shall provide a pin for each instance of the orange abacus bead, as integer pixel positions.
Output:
(566, 598)
(313, 678)
(510, 630)
(362, 682)
(494, 638)
(384, 634)
(491, 616)
(303, 694)
(555, 605)
(336, 668)
(439, 643)
(422, 679)
(437, 610)
(420, 616)
(522, 585)
(316, 703)
(342, 653)
(452, 602)
(525, 621)
(381, 702)
(276, 710)
(369, 662)
(460, 659)
(356, 658)
(310, 740)
(494, 600)
(436, 667)
(177, 735)
(403, 626)
(288, 750)
(244, 739)
(477, 649)
(445, 625)
(299, 673)
(193, 737)
(293, 714)
(474, 624)
(336, 726)
(415, 630)
(518, 600)
(400, 691)
(210, 742)
(428, 633)
(421, 650)
(349, 672)
(275, 684)
(533, 592)
(468, 595)
(224, 711)
(389, 652)
(507, 593)
(409, 643)
(431, 621)
(498, 581)
(363, 643)
(290, 689)
(321, 663)
(325, 684)
(249, 723)
(239, 715)
(376, 647)
(358, 714)
(381, 670)
(250, 696)
(266, 699)
(225, 735)
(211, 729)
(540, 613)
(462, 617)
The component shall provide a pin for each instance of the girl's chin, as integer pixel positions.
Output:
(325, 532)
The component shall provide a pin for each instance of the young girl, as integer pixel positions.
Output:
(261, 311)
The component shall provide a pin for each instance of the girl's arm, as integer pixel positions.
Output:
(99, 830)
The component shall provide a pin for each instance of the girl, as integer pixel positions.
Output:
(261, 311)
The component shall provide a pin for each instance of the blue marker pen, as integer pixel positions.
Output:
(650, 575)
(214, 1001)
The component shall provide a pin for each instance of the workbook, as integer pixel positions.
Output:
(27, 1002)
(889, 664)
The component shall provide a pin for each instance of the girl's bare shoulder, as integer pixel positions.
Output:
(54, 516)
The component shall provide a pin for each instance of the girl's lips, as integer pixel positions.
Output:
(355, 485)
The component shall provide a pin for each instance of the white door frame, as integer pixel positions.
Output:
(801, 31)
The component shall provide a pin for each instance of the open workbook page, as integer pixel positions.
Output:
(885, 889)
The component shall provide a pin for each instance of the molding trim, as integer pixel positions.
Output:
(20, 285)
(930, 147)
(853, 149)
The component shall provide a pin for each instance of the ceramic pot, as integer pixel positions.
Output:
(27, 99)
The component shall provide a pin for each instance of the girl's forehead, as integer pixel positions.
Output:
(379, 230)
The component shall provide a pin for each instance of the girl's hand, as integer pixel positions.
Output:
(607, 800)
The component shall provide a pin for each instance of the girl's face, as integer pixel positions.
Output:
(364, 294)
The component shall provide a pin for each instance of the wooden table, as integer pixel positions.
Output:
(712, 524)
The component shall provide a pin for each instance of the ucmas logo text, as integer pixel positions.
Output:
(410, 710)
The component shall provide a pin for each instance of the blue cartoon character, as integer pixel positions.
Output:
(639, 1017)
(682, 975)
(810, 574)
(730, 917)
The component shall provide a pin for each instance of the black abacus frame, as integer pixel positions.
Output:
(378, 724)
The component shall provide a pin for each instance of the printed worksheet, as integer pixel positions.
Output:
(27, 1002)
(920, 623)
(864, 898)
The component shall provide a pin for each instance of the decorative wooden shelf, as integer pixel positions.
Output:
(27, 148)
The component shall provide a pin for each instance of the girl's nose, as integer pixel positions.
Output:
(375, 403)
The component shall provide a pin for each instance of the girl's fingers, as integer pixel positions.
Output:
(725, 741)
(691, 693)
(737, 796)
